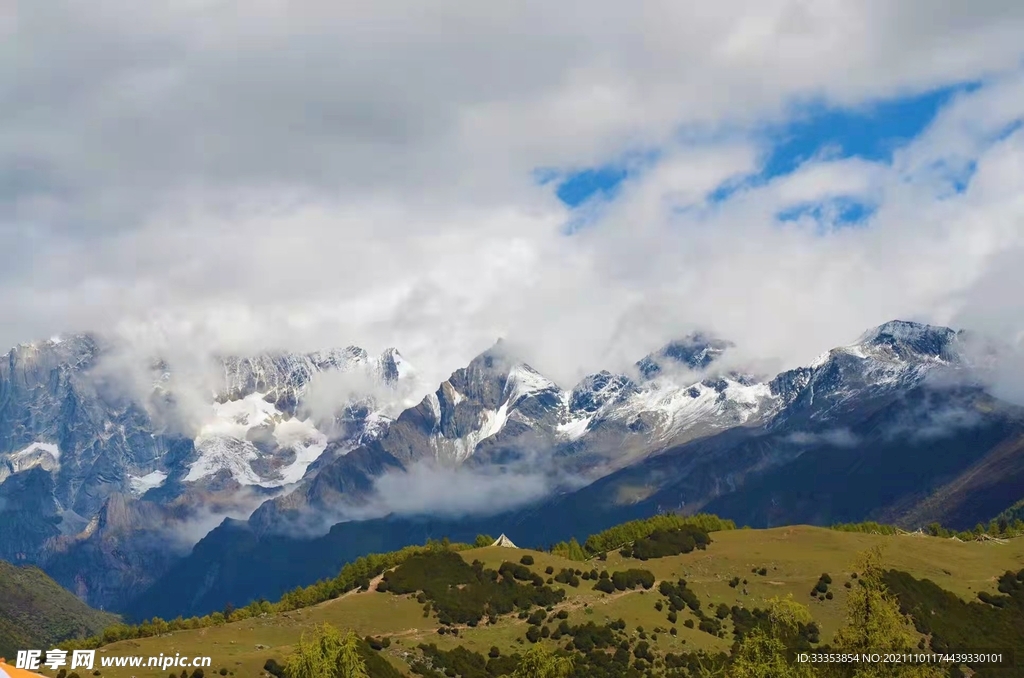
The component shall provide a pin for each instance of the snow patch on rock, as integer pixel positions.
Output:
(305, 441)
(574, 429)
(457, 450)
(141, 484)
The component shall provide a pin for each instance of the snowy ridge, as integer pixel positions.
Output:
(524, 381)
(258, 422)
(223, 443)
(670, 402)
(285, 373)
(680, 394)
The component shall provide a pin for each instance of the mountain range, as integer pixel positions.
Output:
(107, 488)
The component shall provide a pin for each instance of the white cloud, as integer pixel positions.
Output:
(306, 174)
(426, 488)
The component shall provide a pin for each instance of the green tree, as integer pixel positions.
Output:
(763, 652)
(874, 623)
(327, 654)
(539, 663)
(483, 540)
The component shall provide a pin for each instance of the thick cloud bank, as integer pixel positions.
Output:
(227, 177)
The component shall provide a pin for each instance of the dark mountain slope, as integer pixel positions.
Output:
(35, 612)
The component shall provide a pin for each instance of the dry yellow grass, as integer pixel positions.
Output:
(794, 558)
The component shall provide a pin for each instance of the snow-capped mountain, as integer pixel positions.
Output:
(92, 480)
(893, 427)
(891, 357)
(74, 436)
(500, 412)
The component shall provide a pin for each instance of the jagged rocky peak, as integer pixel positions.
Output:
(597, 390)
(273, 372)
(696, 352)
(484, 379)
(908, 340)
(76, 350)
(392, 366)
(893, 355)
(524, 382)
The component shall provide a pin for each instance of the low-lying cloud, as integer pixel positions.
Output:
(838, 437)
(452, 492)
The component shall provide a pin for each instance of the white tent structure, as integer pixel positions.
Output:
(504, 542)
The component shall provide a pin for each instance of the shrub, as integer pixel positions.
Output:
(461, 593)
(533, 634)
(710, 625)
(526, 560)
(495, 652)
(635, 530)
(671, 542)
(688, 623)
(632, 578)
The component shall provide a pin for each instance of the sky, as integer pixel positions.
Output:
(587, 181)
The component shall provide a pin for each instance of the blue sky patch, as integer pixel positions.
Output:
(871, 132)
(838, 212)
(577, 188)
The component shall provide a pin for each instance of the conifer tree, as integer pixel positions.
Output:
(326, 654)
(874, 623)
(539, 663)
(764, 652)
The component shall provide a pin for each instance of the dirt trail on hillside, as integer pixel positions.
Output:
(356, 591)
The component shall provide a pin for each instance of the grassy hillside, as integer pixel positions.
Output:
(35, 612)
(739, 569)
